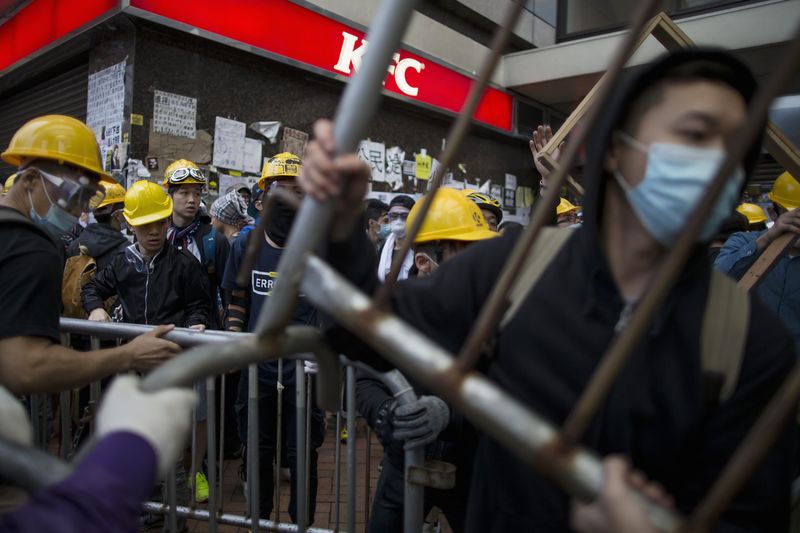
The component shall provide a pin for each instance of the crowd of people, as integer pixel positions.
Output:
(155, 255)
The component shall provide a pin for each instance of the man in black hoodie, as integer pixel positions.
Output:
(650, 158)
(103, 238)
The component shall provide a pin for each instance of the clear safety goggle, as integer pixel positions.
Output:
(182, 174)
(75, 195)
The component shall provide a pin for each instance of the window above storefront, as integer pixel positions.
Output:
(582, 18)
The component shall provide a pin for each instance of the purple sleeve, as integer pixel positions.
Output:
(104, 493)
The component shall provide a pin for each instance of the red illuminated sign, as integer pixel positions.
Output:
(43, 22)
(298, 33)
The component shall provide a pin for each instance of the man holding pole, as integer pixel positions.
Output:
(652, 155)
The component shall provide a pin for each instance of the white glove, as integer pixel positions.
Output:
(14, 424)
(162, 418)
(310, 367)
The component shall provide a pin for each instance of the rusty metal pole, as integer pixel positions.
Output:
(749, 455)
(356, 108)
(497, 303)
(455, 137)
(624, 343)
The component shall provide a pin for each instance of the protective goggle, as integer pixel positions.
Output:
(75, 196)
(182, 174)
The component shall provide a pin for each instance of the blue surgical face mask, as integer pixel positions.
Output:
(384, 231)
(675, 180)
(57, 216)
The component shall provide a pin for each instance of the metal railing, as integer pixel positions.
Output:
(531, 439)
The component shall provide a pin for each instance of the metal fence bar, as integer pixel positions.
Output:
(300, 446)
(172, 517)
(211, 450)
(309, 466)
(278, 441)
(367, 461)
(231, 519)
(65, 410)
(221, 466)
(530, 438)
(193, 462)
(356, 108)
(455, 137)
(94, 389)
(351, 448)
(337, 468)
(252, 446)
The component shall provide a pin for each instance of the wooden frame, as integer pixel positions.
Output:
(666, 32)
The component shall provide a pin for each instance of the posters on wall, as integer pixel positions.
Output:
(294, 141)
(394, 167)
(174, 114)
(252, 156)
(374, 154)
(229, 144)
(228, 183)
(105, 101)
(424, 165)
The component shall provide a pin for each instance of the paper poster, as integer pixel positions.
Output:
(410, 168)
(294, 141)
(374, 153)
(394, 167)
(229, 183)
(229, 144)
(105, 101)
(252, 156)
(511, 182)
(114, 156)
(174, 114)
(424, 164)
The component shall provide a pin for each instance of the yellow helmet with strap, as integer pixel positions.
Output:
(452, 217)
(114, 194)
(183, 172)
(146, 202)
(60, 138)
(785, 191)
(484, 201)
(753, 212)
(283, 165)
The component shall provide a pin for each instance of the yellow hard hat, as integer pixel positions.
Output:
(565, 207)
(484, 201)
(114, 194)
(9, 183)
(183, 172)
(785, 191)
(59, 138)
(146, 202)
(753, 212)
(452, 217)
(283, 165)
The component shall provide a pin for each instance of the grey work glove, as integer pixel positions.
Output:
(419, 423)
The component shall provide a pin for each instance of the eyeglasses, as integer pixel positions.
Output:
(79, 194)
(398, 216)
(181, 174)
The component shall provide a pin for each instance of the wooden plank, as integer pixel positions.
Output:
(548, 161)
(766, 262)
(782, 149)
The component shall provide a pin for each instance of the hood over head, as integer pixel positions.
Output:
(633, 85)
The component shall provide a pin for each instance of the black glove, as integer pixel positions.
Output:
(415, 424)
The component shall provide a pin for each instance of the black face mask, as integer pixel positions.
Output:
(281, 218)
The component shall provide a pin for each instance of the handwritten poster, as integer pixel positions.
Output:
(105, 102)
(229, 144)
(294, 141)
(252, 156)
(374, 153)
(424, 164)
(174, 114)
(394, 167)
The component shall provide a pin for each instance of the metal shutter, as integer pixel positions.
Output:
(64, 94)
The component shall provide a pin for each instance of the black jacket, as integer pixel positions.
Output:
(656, 414)
(102, 241)
(172, 289)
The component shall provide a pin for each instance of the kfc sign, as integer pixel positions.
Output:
(328, 46)
(351, 56)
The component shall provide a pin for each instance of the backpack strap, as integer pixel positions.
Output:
(12, 216)
(210, 250)
(724, 335)
(545, 249)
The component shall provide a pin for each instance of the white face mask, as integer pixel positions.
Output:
(398, 228)
(675, 180)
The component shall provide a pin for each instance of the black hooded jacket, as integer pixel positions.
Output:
(172, 289)
(656, 413)
(102, 242)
